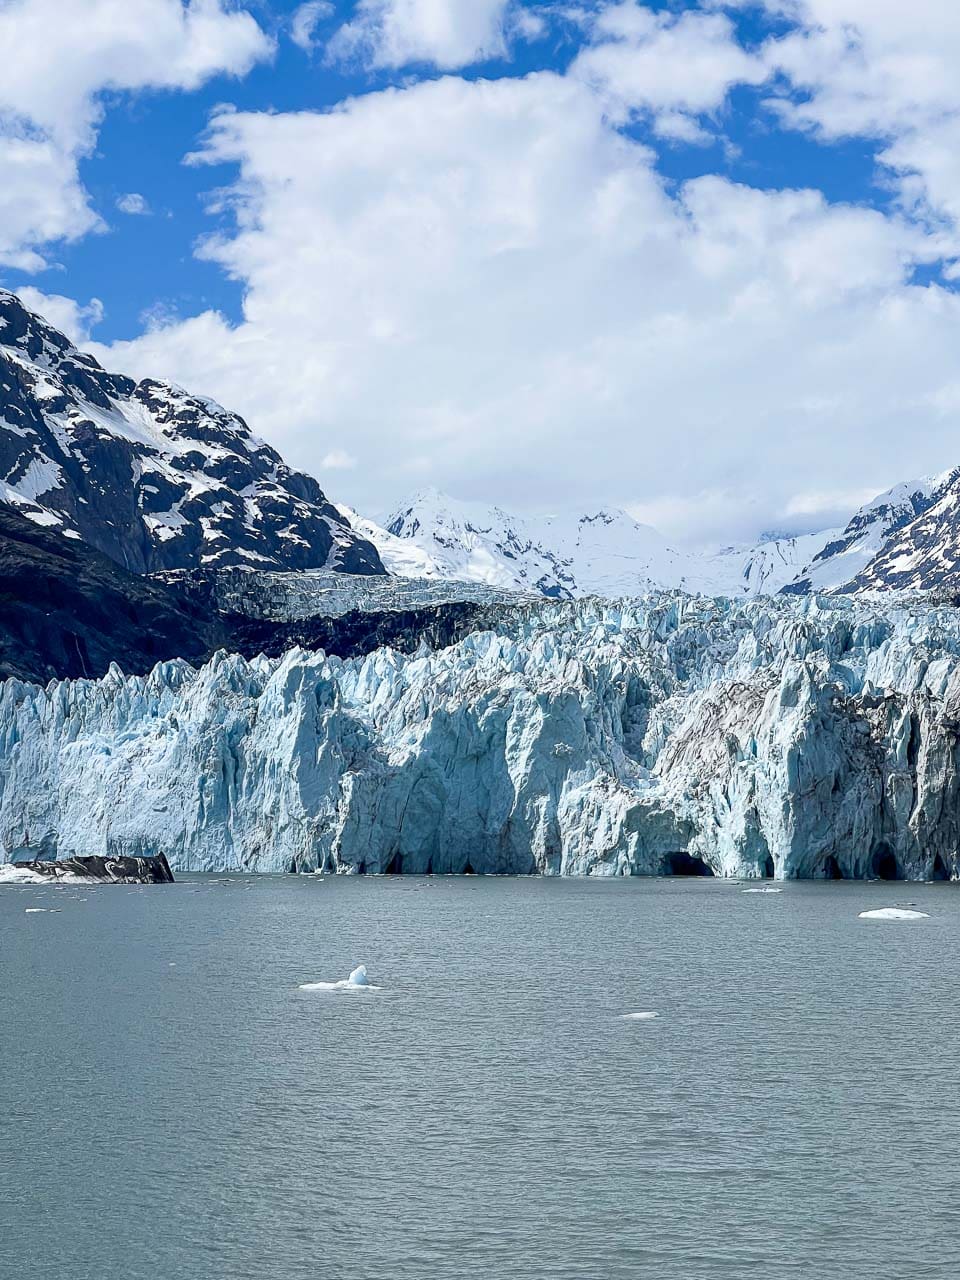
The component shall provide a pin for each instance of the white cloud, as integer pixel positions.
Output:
(306, 20)
(441, 33)
(338, 460)
(821, 503)
(486, 285)
(41, 199)
(65, 314)
(134, 203)
(58, 60)
(674, 126)
(885, 71)
(680, 65)
(526, 24)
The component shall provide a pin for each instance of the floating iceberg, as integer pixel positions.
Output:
(358, 981)
(765, 889)
(638, 1017)
(893, 913)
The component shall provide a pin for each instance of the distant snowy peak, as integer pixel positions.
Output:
(153, 477)
(907, 538)
(559, 556)
(763, 568)
(603, 552)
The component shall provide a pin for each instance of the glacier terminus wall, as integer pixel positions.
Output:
(784, 737)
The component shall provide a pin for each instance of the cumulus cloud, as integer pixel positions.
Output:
(441, 33)
(488, 285)
(58, 61)
(306, 20)
(133, 203)
(65, 314)
(856, 68)
(41, 198)
(675, 66)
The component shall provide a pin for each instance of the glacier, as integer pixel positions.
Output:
(788, 736)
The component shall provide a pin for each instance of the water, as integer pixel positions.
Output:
(174, 1108)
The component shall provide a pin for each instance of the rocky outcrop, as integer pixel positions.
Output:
(670, 734)
(66, 610)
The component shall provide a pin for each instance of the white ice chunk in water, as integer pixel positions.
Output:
(764, 889)
(638, 1017)
(893, 913)
(358, 981)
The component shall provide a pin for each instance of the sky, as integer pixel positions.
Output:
(697, 259)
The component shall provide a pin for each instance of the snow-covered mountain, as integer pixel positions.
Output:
(149, 475)
(922, 551)
(605, 552)
(907, 538)
(840, 563)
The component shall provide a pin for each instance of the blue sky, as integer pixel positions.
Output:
(145, 265)
(695, 259)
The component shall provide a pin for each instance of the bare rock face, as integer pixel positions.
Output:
(148, 474)
(667, 735)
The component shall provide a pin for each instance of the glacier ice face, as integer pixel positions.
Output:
(791, 736)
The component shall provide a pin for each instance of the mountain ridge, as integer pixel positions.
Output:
(147, 473)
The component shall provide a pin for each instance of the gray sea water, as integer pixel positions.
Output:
(174, 1108)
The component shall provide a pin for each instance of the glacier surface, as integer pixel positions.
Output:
(798, 737)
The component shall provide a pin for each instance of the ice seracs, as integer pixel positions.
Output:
(763, 738)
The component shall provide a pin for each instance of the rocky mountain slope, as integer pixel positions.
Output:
(66, 610)
(922, 553)
(675, 735)
(151, 476)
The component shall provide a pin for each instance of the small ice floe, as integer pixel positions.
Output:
(764, 888)
(638, 1017)
(358, 981)
(893, 913)
(34, 911)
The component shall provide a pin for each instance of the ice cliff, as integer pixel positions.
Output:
(781, 736)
